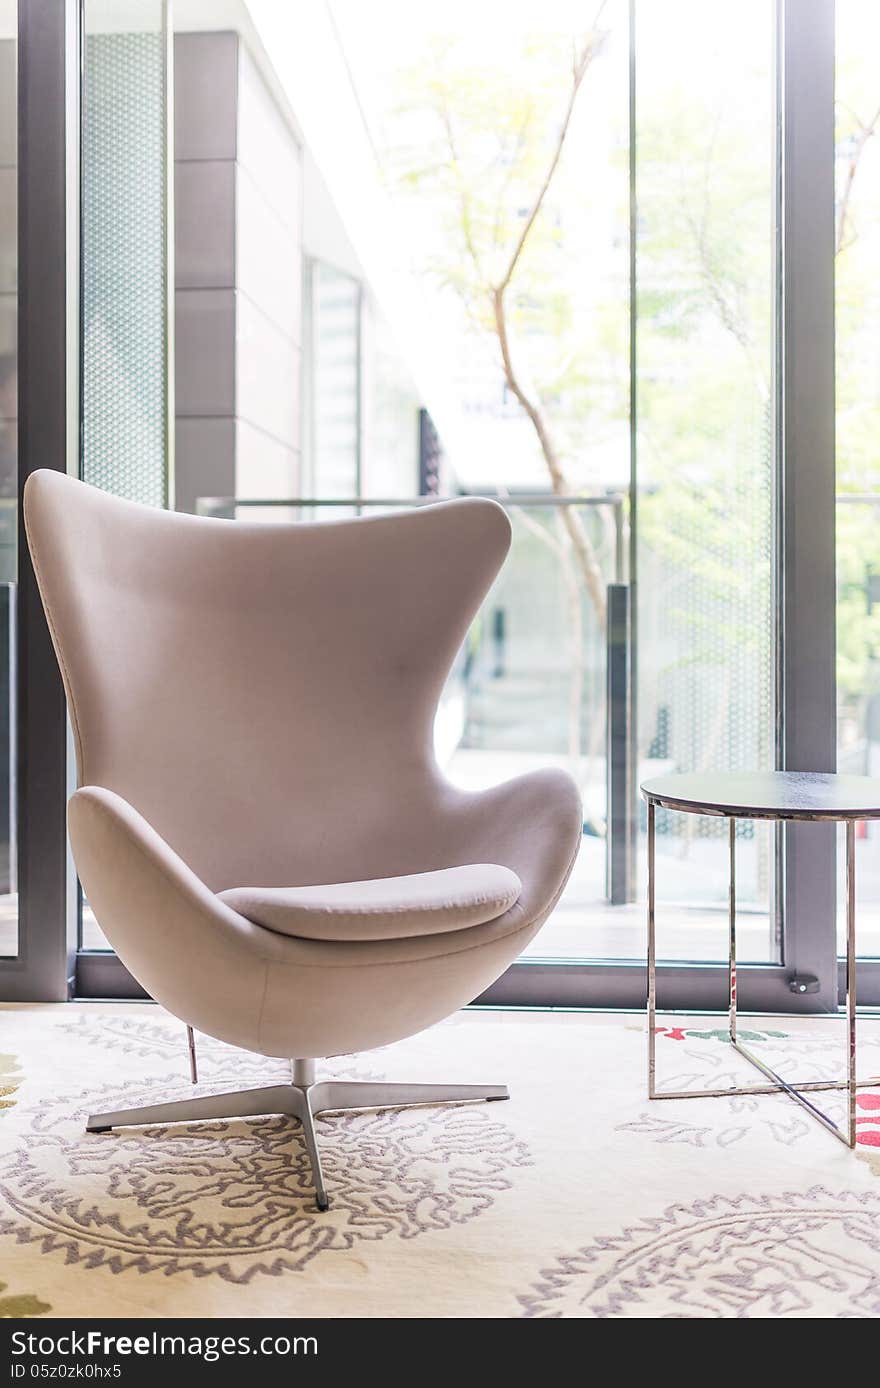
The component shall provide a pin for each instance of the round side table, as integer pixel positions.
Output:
(779, 796)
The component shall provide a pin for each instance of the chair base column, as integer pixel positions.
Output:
(304, 1101)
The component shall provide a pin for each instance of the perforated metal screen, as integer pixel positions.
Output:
(124, 247)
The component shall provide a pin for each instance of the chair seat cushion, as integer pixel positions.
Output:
(386, 908)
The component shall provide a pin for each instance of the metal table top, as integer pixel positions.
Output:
(811, 795)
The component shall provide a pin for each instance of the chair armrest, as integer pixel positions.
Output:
(532, 824)
(190, 952)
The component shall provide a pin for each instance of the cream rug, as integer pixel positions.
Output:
(578, 1198)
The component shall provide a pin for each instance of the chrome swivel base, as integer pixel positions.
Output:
(304, 1098)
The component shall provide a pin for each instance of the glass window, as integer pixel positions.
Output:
(470, 109)
(475, 295)
(857, 313)
(705, 256)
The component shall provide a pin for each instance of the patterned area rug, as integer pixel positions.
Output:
(579, 1198)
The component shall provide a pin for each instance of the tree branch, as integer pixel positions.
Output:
(864, 135)
(464, 200)
(588, 563)
(584, 550)
(727, 313)
(579, 71)
(731, 320)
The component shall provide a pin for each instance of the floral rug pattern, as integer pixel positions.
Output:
(579, 1198)
(10, 1079)
(235, 1199)
(756, 1257)
(15, 1305)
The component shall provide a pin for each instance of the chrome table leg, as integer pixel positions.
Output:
(652, 960)
(851, 976)
(731, 1014)
(795, 1090)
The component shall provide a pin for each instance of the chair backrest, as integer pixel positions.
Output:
(263, 694)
